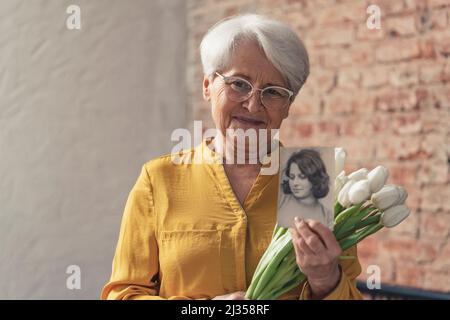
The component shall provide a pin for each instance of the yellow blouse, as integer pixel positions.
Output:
(184, 234)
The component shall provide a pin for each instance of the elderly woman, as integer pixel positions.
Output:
(305, 181)
(197, 231)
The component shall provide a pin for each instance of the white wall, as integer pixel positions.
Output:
(80, 112)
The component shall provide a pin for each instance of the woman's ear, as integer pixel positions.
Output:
(206, 91)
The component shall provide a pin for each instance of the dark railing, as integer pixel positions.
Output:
(391, 292)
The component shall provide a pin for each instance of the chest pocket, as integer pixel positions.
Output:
(190, 263)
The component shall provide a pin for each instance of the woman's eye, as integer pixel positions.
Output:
(273, 92)
(240, 85)
(292, 177)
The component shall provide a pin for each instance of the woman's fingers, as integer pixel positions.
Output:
(326, 235)
(299, 253)
(300, 243)
(311, 240)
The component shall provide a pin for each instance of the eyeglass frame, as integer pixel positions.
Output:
(291, 93)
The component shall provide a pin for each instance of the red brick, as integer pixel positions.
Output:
(323, 80)
(433, 172)
(407, 248)
(401, 26)
(381, 123)
(432, 73)
(304, 129)
(328, 127)
(442, 262)
(407, 123)
(306, 103)
(415, 5)
(393, 99)
(346, 102)
(298, 19)
(440, 96)
(435, 225)
(440, 18)
(368, 248)
(336, 35)
(410, 275)
(435, 198)
(349, 78)
(432, 144)
(358, 149)
(389, 7)
(404, 172)
(435, 122)
(437, 281)
(404, 75)
(364, 33)
(375, 77)
(441, 42)
(358, 125)
(427, 49)
(399, 148)
(359, 54)
(342, 13)
(438, 3)
(398, 51)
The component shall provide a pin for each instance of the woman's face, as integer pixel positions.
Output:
(298, 183)
(249, 62)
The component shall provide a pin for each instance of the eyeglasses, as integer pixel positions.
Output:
(272, 97)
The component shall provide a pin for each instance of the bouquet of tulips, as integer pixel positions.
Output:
(364, 204)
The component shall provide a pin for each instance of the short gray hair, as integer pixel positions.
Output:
(279, 42)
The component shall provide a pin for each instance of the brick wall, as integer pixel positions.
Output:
(384, 95)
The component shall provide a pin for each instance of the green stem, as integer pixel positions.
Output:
(284, 273)
(274, 246)
(337, 209)
(350, 241)
(278, 252)
(347, 225)
(345, 214)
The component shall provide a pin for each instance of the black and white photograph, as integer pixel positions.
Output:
(305, 188)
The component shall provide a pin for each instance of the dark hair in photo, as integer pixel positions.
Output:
(311, 165)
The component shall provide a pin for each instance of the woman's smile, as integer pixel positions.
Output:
(248, 122)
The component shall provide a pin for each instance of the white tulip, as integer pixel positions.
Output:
(394, 215)
(343, 194)
(390, 195)
(377, 178)
(339, 159)
(403, 194)
(339, 182)
(359, 191)
(358, 174)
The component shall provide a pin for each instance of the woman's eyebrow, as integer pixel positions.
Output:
(248, 78)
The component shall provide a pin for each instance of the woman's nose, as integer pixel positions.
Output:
(253, 104)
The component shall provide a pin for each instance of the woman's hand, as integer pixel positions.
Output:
(317, 254)
(238, 295)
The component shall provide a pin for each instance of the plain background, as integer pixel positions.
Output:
(80, 112)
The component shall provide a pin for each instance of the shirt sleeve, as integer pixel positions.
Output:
(346, 289)
(135, 265)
